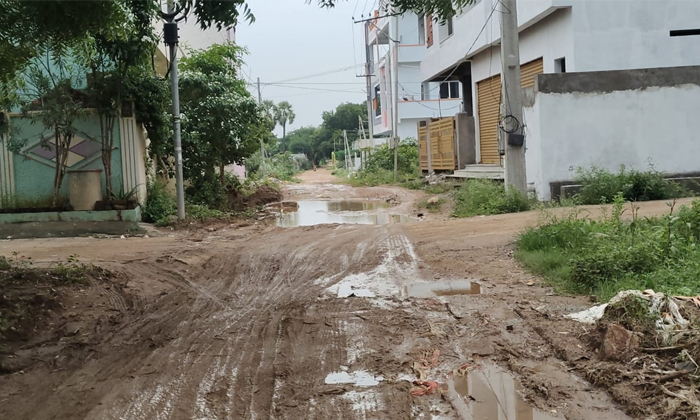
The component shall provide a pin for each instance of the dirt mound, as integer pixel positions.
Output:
(265, 194)
(40, 317)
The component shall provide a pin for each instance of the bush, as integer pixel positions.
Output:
(606, 256)
(484, 197)
(379, 166)
(160, 205)
(600, 186)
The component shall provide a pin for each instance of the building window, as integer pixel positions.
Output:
(445, 30)
(377, 101)
(421, 29)
(560, 65)
(449, 90)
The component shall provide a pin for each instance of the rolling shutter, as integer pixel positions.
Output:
(489, 94)
(528, 71)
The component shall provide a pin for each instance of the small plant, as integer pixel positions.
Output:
(160, 205)
(485, 197)
(122, 196)
(72, 271)
(202, 213)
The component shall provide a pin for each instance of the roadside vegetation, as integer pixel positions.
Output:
(487, 197)
(379, 167)
(601, 257)
(600, 186)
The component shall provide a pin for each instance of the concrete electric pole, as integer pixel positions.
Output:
(262, 146)
(511, 122)
(395, 103)
(172, 39)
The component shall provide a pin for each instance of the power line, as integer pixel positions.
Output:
(465, 58)
(319, 89)
(339, 70)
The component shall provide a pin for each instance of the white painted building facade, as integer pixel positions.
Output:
(416, 100)
(565, 36)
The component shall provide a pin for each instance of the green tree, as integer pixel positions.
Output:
(221, 121)
(50, 88)
(109, 55)
(284, 114)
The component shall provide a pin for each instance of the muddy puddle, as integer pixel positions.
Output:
(488, 393)
(311, 212)
(442, 288)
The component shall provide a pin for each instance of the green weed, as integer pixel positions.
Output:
(485, 197)
(600, 186)
(160, 205)
(605, 256)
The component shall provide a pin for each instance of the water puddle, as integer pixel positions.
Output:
(357, 378)
(488, 393)
(443, 288)
(311, 212)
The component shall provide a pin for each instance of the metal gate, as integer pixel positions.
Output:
(442, 144)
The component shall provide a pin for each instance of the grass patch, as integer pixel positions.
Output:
(604, 256)
(439, 188)
(485, 197)
(600, 186)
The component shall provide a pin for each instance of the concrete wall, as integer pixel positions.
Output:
(608, 119)
(33, 178)
(629, 34)
(600, 34)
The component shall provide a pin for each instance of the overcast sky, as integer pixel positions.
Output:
(291, 39)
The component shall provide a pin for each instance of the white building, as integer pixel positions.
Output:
(416, 100)
(556, 36)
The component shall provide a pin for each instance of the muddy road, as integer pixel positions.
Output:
(326, 321)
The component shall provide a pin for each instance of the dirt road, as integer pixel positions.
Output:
(317, 322)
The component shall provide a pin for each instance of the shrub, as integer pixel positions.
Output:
(607, 255)
(599, 186)
(160, 205)
(485, 197)
(379, 166)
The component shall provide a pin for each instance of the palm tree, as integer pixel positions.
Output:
(284, 114)
(270, 109)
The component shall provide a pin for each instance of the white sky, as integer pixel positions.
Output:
(291, 39)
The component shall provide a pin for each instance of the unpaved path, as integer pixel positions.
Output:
(247, 323)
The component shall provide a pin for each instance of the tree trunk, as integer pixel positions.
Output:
(222, 178)
(62, 143)
(284, 131)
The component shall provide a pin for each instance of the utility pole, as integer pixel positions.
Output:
(368, 77)
(511, 126)
(172, 39)
(347, 150)
(262, 146)
(395, 105)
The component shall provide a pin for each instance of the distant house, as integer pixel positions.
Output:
(583, 49)
(388, 60)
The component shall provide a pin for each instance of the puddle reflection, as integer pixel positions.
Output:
(492, 394)
(310, 213)
(443, 288)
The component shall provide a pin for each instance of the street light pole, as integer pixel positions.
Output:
(172, 40)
